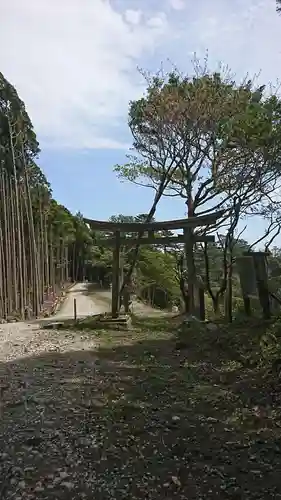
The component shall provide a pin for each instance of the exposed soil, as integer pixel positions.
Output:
(139, 308)
(127, 416)
(85, 305)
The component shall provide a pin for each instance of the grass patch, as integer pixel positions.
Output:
(152, 324)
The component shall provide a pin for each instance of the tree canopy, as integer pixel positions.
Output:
(214, 142)
(205, 139)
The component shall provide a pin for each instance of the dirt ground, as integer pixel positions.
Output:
(128, 416)
(101, 296)
(91, 299)
(85, 304)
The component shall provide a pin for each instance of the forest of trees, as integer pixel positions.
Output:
(42, 245)
(204, 139)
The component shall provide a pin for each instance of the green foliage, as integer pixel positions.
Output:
(215, 141)
(60, 222)
(15, 120)
(42, 244)
(156, 269)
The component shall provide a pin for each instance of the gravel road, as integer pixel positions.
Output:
(54, 426)
(20, 340)
(139, 308)
(86, 306)
(97, 302)
(38, 373)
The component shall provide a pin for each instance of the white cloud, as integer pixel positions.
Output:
(74, 61)
(177, 4)
(133, 16)
(244, 34)
(158, 22)
(74, 64)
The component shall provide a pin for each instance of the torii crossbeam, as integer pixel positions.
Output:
(188, 238)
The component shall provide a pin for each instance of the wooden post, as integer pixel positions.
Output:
(75, 309)
(188, 237)
(229, 293)
(121, 279)
(247, 305)
(116, 277)
(248, 282)
(259, 259)
(201, 297)
(126, 299)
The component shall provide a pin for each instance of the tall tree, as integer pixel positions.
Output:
(40, 241)
(221, 140)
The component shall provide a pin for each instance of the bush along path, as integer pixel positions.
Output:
(117, 415)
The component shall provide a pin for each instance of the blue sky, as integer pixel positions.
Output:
(79, 71)
(86, 182)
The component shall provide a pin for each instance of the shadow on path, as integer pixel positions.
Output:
(138, 420)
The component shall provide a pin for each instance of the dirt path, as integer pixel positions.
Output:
(51, 391)
(139, 308)
(34, 402)
(35, 433)
(92, 300)
(18, 340)
(86, 306)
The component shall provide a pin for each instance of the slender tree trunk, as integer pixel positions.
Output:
(24, 256)
(33, 247)
(6, 249)
(13, 286)
(17, 227)
(2, 277)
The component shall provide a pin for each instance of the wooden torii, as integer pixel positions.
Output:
(188, 238)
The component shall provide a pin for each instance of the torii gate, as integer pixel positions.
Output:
(188, 238)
